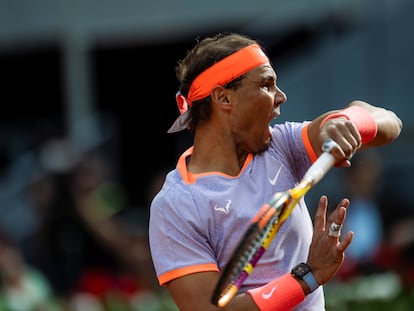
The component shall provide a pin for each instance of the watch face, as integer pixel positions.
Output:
(300, 270)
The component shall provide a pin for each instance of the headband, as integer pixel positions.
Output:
(221, 73)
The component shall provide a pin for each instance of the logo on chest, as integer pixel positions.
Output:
(225, 209)
(275, 178)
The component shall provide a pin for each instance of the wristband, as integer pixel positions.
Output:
(281, 294)
(363, 120)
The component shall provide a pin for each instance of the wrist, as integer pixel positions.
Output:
(303, 273)
(282, 294)
(361, 118)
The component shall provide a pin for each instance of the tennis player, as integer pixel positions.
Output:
(228, 96)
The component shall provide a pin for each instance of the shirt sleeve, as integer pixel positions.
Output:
(287, 140)
(177, 242)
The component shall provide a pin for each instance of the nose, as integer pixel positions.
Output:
(280, 97)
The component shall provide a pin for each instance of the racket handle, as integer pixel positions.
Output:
(322, 165)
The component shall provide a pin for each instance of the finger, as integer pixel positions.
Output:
(320, 216)
(345, 163)
(356, 139)
(353, 136)
(339, 214)
(346, 241)
(348, 139)
(337, 219)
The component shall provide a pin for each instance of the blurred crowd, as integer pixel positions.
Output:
(76, 244)
(378, 271)
(381, 244)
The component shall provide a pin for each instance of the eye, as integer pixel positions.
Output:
(269, 85)
(266, 87)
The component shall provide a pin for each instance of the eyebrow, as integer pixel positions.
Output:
(270, 77)
(263, 78)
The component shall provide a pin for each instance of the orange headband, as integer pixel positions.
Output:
(221, 73)
(224, 71)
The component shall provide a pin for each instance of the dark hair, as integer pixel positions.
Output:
(203, 55)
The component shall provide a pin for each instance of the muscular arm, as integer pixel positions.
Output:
(389, 125)
(193, 293)
(346, 135)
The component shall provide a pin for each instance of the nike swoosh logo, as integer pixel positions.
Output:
(269, 294)
(274, 179)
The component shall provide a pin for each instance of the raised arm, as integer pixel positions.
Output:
(344, 127)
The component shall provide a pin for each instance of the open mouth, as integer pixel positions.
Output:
(275, 113)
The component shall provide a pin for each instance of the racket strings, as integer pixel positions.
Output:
(256, 240)
(264, 227)
(254, 243)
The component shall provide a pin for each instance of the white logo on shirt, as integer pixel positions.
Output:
(274, 179)
(225, 209)
(269, 294)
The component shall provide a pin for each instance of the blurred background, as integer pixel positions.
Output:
(87, 93)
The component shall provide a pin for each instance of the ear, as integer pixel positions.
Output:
(220, 95)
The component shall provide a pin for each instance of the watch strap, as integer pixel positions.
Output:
(310, 281)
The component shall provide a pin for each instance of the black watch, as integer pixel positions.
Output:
(303, 272)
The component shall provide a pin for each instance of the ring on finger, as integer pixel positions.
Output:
(335, 230)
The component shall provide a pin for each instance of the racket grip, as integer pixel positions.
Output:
(322, 165)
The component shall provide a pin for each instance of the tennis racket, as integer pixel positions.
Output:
(264, 226)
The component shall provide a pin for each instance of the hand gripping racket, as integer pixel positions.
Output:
(264, 226)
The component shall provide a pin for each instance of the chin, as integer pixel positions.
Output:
(264, 147)
(266, 143)
(269, 134)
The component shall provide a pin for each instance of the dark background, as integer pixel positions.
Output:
(116, 63)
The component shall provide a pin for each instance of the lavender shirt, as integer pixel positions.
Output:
(197, 220)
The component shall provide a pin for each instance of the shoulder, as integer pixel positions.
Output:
(288, 145)
(288, 128)
(287, 136)
(171, 190)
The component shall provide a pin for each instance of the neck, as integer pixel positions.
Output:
(215, 153)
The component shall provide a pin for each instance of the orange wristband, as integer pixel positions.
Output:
(282, 294)
(363, 120)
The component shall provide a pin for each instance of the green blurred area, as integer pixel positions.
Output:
(379, 292)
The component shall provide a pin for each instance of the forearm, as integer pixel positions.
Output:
(190, 296)
(389, 125)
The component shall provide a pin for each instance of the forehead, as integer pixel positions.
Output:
(264, 71)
